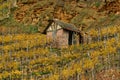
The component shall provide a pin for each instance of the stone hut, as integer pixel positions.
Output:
(62, 34)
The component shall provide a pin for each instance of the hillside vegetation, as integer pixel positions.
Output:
(25, 53)
(32, 59)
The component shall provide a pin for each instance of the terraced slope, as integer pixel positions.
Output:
(31, 59)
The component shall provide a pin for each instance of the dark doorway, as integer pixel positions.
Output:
(70, 38)
(80, 39)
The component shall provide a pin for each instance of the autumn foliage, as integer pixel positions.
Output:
(28, 57)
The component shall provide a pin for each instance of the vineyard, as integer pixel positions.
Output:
(27, 57)
(26, 54)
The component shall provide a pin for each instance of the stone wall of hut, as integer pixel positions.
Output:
(61, 39)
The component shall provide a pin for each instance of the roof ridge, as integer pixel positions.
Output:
(66, 25)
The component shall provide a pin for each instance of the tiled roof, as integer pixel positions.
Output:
(66, 26)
